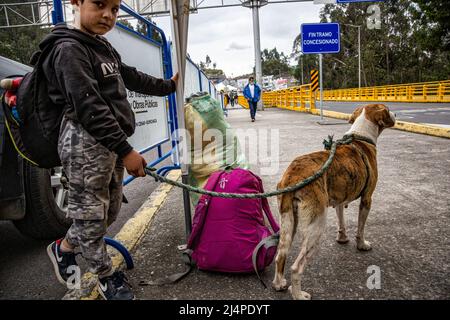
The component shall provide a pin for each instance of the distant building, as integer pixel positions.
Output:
(241, 83)
(216, 78)
(267, 83)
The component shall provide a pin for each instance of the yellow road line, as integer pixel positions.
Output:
(423, 129)
(130, 236)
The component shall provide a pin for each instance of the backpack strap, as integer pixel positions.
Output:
(267, 242)
(268, 212)
(266, 207)
(187, 259)
(38, 57)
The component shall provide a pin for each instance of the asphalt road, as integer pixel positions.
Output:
(426, 113)
(25, 269)
(408, 225)
(26, 272)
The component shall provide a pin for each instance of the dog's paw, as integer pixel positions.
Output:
(302, 295)
(342, 238)
(364, 245)
(280, 286)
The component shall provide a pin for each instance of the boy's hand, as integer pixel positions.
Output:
(135, 164)
(175, 78)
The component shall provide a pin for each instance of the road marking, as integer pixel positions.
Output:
(438, 125)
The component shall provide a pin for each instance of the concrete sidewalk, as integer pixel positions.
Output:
(408, 226)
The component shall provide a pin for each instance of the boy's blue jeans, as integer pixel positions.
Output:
(252, 106)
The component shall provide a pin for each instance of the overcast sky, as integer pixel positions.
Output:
(226, 34)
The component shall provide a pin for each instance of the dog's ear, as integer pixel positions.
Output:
(355, 114)
(379, 114)
(385, 119)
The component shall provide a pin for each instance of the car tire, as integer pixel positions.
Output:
(44, 217)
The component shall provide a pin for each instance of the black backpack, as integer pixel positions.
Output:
(35, 133)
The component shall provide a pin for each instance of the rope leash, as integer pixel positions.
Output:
(329, 145)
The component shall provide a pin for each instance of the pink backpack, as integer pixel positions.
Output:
(229, 235)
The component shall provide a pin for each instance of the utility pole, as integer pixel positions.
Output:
(179, 12)
(359, 57)
(359, 51)
(255, 5)
(301, 66)
(321, 86)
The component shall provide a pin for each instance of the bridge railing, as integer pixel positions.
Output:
(243, 102)
(436, 91)
(299, 98)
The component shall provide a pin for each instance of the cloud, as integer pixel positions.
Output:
(226, 34)
(236, 46)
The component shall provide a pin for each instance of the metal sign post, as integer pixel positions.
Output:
(321, 86)
(179, 13)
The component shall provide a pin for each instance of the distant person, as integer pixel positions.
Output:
(232, 98)
(252, 92)
(226, 99)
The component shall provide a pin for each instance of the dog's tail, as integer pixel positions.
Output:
(285, 200)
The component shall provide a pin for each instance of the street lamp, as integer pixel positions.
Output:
(359, 51)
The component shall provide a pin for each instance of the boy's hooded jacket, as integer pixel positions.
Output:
(86, 76)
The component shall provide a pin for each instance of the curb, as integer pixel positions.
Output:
(399, 125)
(130, 236)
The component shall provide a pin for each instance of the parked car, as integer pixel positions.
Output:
(34, 199)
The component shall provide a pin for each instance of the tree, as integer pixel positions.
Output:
(308, 62)
(126, 23)
(19, 43)
(143, 29)
(411, 46)
(207, 61)
(211, 73)
(274, 63)
(434, 18)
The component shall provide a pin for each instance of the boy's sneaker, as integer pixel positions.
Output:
(115, 287)
(61, 261)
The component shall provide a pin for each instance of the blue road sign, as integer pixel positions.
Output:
(320, 38)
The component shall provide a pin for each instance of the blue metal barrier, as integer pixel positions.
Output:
(123, 251)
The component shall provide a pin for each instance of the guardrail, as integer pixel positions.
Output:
(437, 91)
(243, 102)
(299, 98)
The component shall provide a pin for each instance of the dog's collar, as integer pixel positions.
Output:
(359, 137)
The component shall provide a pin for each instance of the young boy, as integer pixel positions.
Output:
(86, 76)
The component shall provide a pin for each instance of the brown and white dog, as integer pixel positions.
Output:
(352, 175)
